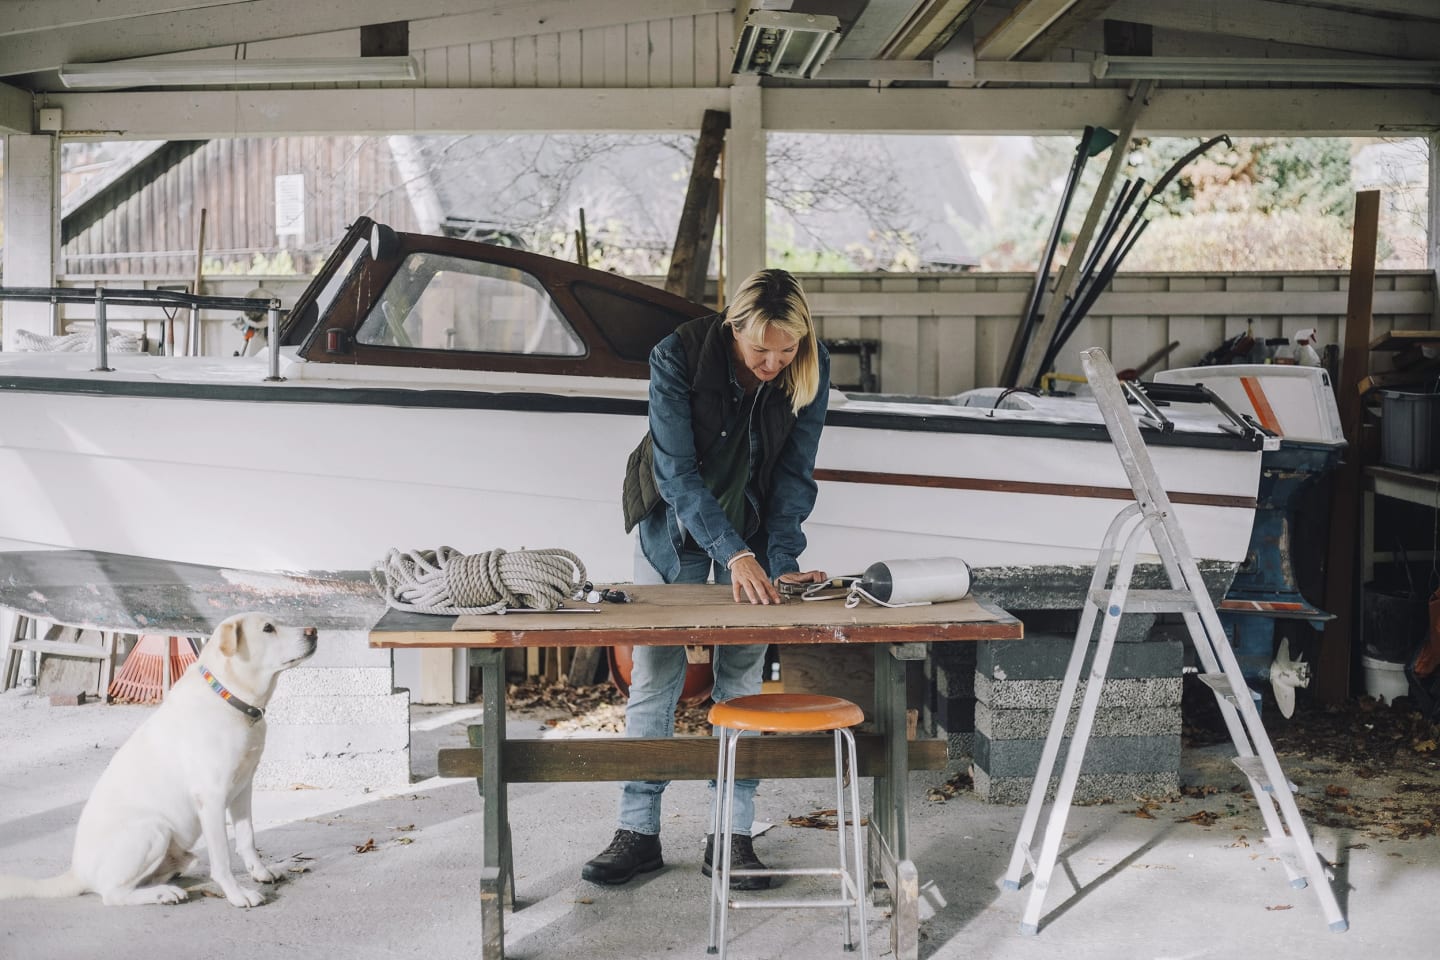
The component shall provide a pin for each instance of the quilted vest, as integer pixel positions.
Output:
(706, 345)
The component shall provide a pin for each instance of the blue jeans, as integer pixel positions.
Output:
(656, 679)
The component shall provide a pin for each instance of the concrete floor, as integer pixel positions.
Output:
(1131, 887)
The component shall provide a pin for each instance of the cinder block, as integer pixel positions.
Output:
(336, 682)
(1046, 657)
(1019, 758)
(1044, 694)
(1089, 788)
(1116, 722)
(375, 771)
(346, 648)
(298, 711)
(322, 741)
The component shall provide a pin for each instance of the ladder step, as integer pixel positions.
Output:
(1150, 601)
(1254, 768)
(1221, 685)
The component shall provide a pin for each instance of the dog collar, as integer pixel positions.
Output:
(251, 711)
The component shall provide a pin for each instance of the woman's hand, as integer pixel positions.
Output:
(748, 581)
(808, 576)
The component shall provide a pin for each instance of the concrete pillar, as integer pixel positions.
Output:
(32, 228)
(744, 184)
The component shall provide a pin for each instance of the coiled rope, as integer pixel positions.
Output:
(446, 581)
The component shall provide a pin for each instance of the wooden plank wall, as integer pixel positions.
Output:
(943, 335)
(234, 180)
(684, 51)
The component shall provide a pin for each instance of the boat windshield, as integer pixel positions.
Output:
(438, 302)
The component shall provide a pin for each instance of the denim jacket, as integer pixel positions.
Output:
(689, 507)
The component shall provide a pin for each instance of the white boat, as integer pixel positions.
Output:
(434, 391)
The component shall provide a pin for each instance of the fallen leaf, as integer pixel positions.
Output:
(1423, 746)
(1280, 906)
(1143, 814)
(404, 839)
(586, 900)
(1203, 818)
(366, 847)
(299, 869)
(408, 826)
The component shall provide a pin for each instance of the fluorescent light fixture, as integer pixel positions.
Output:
(1384, 72)
(782, 44)
(200, 73)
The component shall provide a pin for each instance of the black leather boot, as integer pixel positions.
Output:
(742, 857)
(629, 853)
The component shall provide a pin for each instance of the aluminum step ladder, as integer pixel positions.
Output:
(1152, 517)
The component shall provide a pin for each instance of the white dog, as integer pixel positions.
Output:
(176, 777)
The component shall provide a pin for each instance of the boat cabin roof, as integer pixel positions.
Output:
(410, 300)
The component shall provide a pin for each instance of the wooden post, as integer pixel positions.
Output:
(697, 219)
(1333, 666)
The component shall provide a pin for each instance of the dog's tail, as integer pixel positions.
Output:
(65, 885)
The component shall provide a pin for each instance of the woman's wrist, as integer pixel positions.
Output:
(736, 558)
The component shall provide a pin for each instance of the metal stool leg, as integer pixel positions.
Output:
(717, 903)
(858, 842)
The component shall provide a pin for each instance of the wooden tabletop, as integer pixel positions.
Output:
(678, 614)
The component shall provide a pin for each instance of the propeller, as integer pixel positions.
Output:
(1285, 676)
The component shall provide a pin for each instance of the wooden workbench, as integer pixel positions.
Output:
(700, 615)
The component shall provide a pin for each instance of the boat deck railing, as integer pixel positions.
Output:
(100, 297)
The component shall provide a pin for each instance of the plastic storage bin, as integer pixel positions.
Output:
(1409, 424)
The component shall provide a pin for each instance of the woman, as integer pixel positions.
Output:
(721, 483)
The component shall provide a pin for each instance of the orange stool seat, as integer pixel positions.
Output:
(786, 713)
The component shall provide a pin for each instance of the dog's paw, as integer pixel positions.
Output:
(263, 874)
(246, 898)
(168, 893)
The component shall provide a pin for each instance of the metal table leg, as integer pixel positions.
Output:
(497, 871)
(890, 818)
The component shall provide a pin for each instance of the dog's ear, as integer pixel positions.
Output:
(229, 637)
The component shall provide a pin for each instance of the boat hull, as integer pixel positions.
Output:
(314, 485)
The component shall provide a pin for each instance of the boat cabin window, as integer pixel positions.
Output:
(438, 302)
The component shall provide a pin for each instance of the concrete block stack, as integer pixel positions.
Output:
(1134, 747)
(337, 721)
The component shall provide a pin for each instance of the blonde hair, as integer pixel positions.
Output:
(773, 298)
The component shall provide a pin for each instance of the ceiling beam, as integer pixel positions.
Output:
(216, 26)
(1027, 22)
(17, 110)
(1074, 20)
(180, 115)
(928, 27)
(1289, 23)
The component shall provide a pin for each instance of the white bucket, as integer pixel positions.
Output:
(1384, 679)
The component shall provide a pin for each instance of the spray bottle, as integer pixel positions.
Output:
(1305, 354)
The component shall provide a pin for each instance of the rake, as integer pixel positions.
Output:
(155, 662)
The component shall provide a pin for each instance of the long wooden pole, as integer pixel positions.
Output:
(1333, 667)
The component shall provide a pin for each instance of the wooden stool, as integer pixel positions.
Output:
(787, 713)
